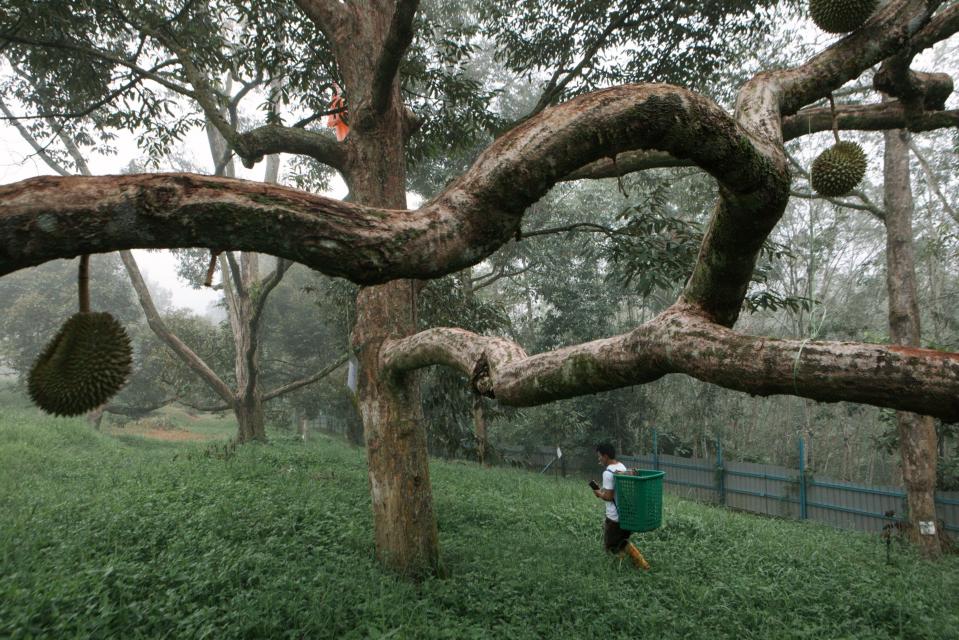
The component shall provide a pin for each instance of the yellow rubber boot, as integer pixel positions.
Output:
(636, 556)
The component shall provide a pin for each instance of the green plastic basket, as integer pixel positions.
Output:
(639, 499)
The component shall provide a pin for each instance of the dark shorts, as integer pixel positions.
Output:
(614, 538)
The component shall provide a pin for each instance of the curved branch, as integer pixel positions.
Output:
(903, 378)
(870, 117)
(46, 218)
(738, 228)
(273, 138)
(482, 209)
(882, 36)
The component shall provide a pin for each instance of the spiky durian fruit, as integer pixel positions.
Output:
(84, 365)
(838, 169)
(841, 16)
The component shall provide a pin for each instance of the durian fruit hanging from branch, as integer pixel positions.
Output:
(838, 169)
(85, 364)
(841, 16)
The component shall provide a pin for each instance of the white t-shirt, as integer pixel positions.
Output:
(608, 483)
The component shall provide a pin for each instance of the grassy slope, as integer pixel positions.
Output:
(102, 537)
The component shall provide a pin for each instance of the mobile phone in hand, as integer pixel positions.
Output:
(593, 485)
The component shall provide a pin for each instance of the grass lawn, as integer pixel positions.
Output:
(132, 536)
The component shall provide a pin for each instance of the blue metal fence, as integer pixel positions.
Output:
(792, 493)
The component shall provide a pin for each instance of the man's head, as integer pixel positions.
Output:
(605, 452)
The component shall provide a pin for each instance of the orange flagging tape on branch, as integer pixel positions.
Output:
(337, 121)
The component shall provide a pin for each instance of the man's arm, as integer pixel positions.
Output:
(606, 491)
(604, 494)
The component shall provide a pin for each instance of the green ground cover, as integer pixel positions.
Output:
(130, 537)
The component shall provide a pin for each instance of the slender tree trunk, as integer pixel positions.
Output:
(95, 417)
(404, 524)
(917, 434)
(479, 416)
(248, 398)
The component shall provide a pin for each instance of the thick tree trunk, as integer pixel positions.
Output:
(917, 433)
(404, 524)
(249, 418)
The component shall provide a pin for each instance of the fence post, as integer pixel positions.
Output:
(655, 449)
(802, 479)
(720, 472)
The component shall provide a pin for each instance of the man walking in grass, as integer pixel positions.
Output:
(615, 539)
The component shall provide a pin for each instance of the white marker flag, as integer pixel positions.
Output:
(352, 374)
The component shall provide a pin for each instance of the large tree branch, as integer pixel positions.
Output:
(397, 41)
(253, 145)
(481, 210)
(882, 36)
(870, 117)
(156, 323)
(330, 16)
(738, 228)
(46, 218)
(682, 341)
(273, 138)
